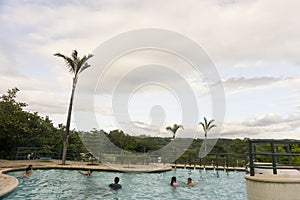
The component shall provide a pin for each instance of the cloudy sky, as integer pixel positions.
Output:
(254, 45)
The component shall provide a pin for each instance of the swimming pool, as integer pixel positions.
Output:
(69, 184)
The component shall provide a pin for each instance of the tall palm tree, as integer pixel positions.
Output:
(174, 129)
(76, 65)
(206, 127)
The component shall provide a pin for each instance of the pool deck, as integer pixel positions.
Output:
(9, 183)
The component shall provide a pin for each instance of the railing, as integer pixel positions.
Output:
(275, 154)
(216, 160)
(33, 153)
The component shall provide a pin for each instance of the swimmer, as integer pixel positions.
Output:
(116, 185)
(190, 182)
(89, 172)
(174, 182)
(28, 171)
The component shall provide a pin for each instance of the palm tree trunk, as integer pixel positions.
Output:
(205, 135)
(67, 132)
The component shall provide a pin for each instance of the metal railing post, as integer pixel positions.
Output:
(273, 159)
(289, 151)
(277, 151)
(251, 159)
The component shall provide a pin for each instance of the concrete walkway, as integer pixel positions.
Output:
(9, 183)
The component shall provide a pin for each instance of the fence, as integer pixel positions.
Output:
(34, 153)
(128, 158)
(214, 159)
(188, 158)
(280, 154)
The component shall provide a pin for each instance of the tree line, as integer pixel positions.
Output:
(21, 128)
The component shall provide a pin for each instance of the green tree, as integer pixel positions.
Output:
(76, 65)
(206, 127)
(21, 128)
(174, 129)
(11, 123)
(239, 146)
(122, 140)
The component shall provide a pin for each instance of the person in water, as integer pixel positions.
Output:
(190, 182)
(89, 172)
(116, 185)
(174, 182)
(28, 171)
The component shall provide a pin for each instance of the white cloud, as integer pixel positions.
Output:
(262, 127)
(240, 84)
(233, 33)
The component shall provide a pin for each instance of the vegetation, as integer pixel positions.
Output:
(206, 127)
(76, 65)
(174, 129)
(20, 128)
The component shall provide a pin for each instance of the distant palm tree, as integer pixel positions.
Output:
(206, 127)
(76, 65)
(174, 129)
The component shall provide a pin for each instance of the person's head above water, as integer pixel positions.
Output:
(117, 180)
(173, 180)
(116, 185)
(29, 168)
(190, 182)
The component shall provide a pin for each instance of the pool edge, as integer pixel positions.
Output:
(8, 183)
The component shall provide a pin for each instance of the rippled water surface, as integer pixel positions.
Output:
(69, 184)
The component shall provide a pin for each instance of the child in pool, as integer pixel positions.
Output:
(190, 182)
(28, 171)
(174, 182)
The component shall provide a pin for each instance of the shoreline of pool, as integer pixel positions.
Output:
(7, 184)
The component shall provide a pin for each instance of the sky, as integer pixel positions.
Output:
(253, 45)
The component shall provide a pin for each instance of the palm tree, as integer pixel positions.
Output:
(76, 65)
(174, 129)
(206, 127)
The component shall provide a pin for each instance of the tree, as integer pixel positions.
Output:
(21, 128)
(206, 127)
(174, 129)
(76, 65)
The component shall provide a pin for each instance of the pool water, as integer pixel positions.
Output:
(69, 184)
